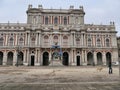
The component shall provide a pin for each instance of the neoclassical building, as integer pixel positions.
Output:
(57, 36)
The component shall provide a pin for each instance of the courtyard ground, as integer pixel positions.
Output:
(58, 78)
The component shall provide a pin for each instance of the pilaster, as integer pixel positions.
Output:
(5, 58)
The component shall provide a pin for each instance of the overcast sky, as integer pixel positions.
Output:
(97, 11)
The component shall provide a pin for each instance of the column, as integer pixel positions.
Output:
(74, 40)
(71, 37)
(39, 57)
(25, 58)
(95, 58)
(104, 58)
(28, 57)
(6, 39)
(16, 40)
(36, 41)
(40, 60)
(26, 41)
(39, 39)
(85, 57)
(15, 58)
(82, 57)
(82, 39)
(5, 58)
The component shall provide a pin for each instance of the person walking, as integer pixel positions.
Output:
(110, 67)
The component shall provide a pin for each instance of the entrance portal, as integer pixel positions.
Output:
(90, 59)
(10, 58)
(108, 58)
(32, 60)
(45, 59)
(1, 58)
(65, 59)
(78, 60)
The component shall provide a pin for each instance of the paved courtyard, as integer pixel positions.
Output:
(58, 78)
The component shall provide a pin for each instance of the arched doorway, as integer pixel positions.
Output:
(20, 58)
(1, 58)
(78, 60)
(90, 59)
(99, 58)
(45, 59)
(10, 58)
(65, 59)
(108, 58)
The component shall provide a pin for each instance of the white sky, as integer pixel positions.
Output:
(97, 11)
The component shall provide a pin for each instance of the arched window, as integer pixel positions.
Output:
(46, 20)
(65, 37)
(65, 40)
(33, 41)
(21, 41)
(78, 41)
(46, 40)
(46, 37)
(65, 21)
(1, 41)
(89, 42)
(55, 20)
(11, 41)
(55, 38)
(98, 43)
(107, 43)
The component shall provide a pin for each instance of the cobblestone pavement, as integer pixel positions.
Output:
(59, 78)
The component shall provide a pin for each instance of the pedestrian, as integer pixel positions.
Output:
(110, 67)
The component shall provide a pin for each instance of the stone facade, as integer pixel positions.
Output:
(49, 32)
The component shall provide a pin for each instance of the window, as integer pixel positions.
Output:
(107, 43)
(55, 38)
(21, 41)
(56, 20)
(65, 21)
(46, 40)
(46, 20)
(1, 41)
(89, 42)
(65, 40)
(33, 41)
(77, 41)
(98, 43)
(11, 41)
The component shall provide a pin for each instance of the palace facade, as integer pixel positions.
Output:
(58, 35)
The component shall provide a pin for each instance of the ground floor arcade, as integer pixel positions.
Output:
(44, 57)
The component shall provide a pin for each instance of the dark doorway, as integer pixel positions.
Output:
(10, 58)
(20, 58)
(99, 58)
(89, 58)
(78, 60)
(45, 59)
(1, 58)
(32, 60)
(65, 59)
(108, 58)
